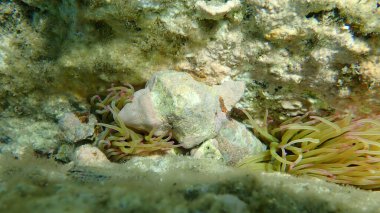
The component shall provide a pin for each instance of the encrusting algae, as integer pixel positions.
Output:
(114, 138)
(337, 149)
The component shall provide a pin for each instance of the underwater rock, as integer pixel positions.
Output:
(141, 113)
(233, 143)
(57, 105)
(300, 46)
(195, 113)
(220, 203)
(74, 129)
(177, 165)
(370, 69)
(174, 101)
(208, 149)
(20, 134)
(65, 153)
(181, 184)
(88, 155)
(236, 142)
(216, 10)
(230, 92)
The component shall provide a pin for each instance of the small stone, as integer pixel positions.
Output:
(142, 115)
(76, 128)
(216, 10)
(65, 153)
(230, 91)
(88, 155)
(236, 142)
(208, 149)
(291, 105)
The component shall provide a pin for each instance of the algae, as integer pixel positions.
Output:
(195, 186)
(296, 56)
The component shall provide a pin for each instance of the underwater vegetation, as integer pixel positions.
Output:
(342, 149)
(114, 138)
(338, 149)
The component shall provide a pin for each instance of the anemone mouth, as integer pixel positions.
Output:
(114, 138)
(338, 149)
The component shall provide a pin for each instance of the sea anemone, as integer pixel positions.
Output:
(338, 149)
(114, 138)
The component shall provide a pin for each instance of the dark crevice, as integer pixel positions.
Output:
(333, 15)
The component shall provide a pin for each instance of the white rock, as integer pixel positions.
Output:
(88, 155)
(208, 149)
(230, 91)
(216, 10)
(175, 101)
(141, 114)
(235, 142)
(74, 129)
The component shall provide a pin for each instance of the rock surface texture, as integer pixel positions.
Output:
(320, 53)
(294, 56)
(180, 185)
(175, 101)
(193, 112)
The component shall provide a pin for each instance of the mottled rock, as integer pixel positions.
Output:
(175, 101)
(175, 184)
(190, 107)
(177, 165)
(221, 203)
(141, 114)
(65, 153)
(88, 155)
(230, 92)
(216, 10)
(76, 128)
(208, 149)
(299, 45)
(370, 69)
(235, 142)
(20, 134)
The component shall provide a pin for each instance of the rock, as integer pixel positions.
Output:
(142, 115)
(216, 10)
(76, 128)
(88, 155)
(176, 184)
(301, 46)
(174, 101)
(55, 107)
(208, 149)
(230, 91)
(18, 135)
(235, 142)
(220, 203)
(190, 107)
(176, 166)
(370, 69)
(65, 153)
